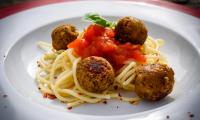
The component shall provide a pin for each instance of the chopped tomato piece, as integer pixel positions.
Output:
(74, 43)
(93, 31)
(138, 56)
(110, 33)
(99, 41)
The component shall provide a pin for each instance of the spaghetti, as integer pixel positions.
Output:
(56, 75)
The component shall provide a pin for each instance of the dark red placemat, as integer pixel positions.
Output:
(27, 5)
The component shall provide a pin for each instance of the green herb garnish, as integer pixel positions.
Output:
(96, 18)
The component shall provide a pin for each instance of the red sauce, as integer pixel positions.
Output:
(100, 41)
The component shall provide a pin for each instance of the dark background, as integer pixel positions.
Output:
(189, 3)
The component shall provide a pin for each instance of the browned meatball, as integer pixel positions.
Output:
(130, 29)
(95, 74)
(63, 35)
(154, 81)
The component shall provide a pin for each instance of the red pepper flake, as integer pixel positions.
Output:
(51, 96)
(167, 117)
(5, 96)
(69, 108)
(46, 95)
(55, 77)
(119, 95)
(105, 102)
(79, 93)
(132, 102)
(115, 87)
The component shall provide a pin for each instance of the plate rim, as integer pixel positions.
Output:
(135, 114)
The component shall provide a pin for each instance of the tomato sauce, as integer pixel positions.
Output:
(100, 41)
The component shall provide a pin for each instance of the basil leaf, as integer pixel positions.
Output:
(96, 18)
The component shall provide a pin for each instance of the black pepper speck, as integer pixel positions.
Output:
(5, 96)
(191, 115)
(167, 117)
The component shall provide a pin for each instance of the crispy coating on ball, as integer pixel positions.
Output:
(131, 29)
(95, 74)
(63, 35)
(154, 81)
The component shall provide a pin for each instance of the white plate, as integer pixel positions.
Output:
(20, 32)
